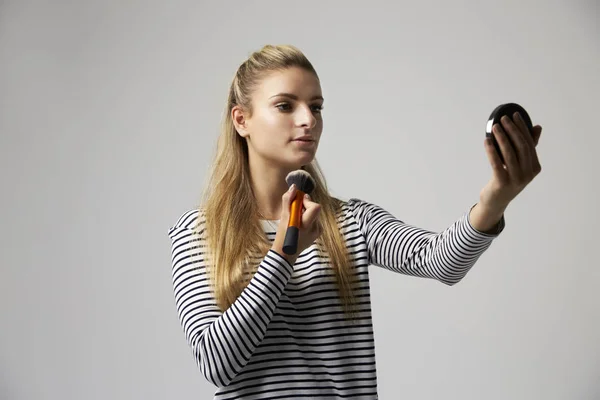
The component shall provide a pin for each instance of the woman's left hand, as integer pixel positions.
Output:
(522, 163)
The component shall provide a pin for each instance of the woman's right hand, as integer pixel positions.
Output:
(309, 229)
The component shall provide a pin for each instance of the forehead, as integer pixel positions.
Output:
(297, 81)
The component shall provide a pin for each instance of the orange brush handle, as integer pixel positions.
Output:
(296, 210)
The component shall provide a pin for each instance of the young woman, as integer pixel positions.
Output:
(262, 324)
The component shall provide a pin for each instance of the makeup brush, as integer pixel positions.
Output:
(305, 184)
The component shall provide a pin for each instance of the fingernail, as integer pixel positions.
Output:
(292, 186)
(518, 116)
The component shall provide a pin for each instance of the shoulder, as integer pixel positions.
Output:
(360, 206)
(190, 220)
(366, 213)
(354, 202)
(359, 209)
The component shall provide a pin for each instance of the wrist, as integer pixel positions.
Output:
(484, 218)
(279, 250)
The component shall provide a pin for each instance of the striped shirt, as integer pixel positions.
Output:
(285, 336)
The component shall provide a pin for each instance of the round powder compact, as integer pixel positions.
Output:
(507, 109)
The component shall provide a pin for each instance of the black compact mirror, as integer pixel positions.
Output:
(507, 109)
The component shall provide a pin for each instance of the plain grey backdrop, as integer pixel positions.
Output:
(109, 114)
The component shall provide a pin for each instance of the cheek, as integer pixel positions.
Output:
(278, 120)
(318, 129)
(274, 125)
(271, 130)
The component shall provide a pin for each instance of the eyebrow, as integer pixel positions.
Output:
(294, 97)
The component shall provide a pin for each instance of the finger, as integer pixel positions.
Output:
(527, 134)
(307, 202)
(495, 161)
(508, 151)
(529, 163)
(310, 214)
(287, 198)
(532, 140)
(291, 193)
(517, 137)
(307, 199)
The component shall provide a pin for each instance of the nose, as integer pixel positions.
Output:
(305, 117)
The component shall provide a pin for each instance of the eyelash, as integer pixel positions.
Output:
(319, 108)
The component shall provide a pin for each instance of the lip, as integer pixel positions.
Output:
(304, 139)
(300, 142)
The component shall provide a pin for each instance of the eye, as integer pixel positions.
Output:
(283, 106)
(287, 107)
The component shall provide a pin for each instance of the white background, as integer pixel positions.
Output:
(109, 114)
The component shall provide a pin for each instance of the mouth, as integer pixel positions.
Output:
(305, 139)
(304, 143)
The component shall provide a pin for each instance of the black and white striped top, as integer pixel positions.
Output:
(285, 337)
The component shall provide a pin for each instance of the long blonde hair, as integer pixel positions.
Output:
(232, 229)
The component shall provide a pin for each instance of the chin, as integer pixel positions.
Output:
(298, 162)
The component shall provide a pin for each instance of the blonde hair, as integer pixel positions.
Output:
(236, 241)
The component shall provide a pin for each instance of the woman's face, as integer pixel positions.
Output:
(286, 123)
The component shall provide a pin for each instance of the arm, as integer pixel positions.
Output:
(485, 219)
(222, 343)
(446, 256)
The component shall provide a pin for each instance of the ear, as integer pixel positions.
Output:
(239, 121)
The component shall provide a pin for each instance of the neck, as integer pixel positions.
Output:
(269, 185)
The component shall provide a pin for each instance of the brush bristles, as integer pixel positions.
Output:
(302, 179)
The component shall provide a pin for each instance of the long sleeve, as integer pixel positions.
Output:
(446, 256)
(222, 342)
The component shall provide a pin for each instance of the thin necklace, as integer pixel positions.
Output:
(272, 226)
(268, 221)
